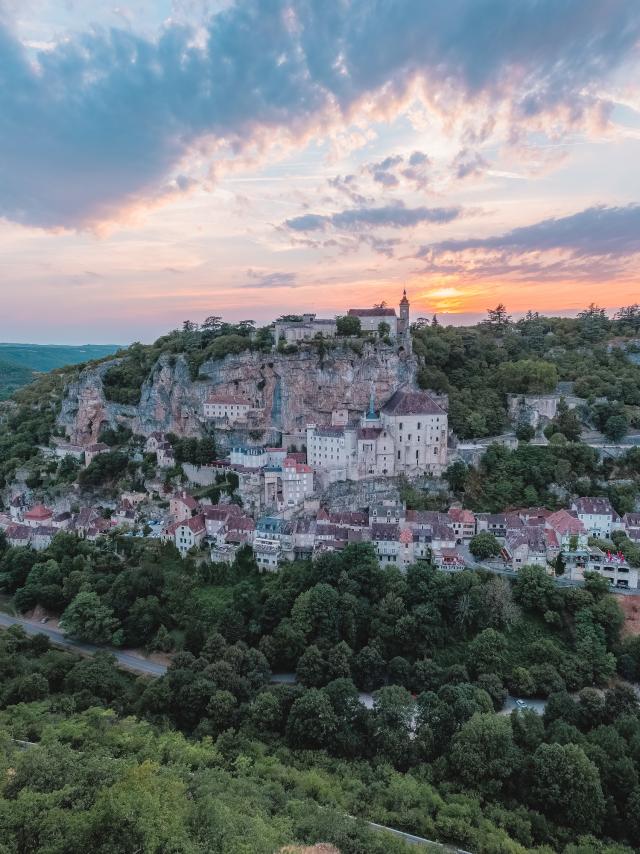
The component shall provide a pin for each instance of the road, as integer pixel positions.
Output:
(128, 660)
(418, 840)
(139, 664)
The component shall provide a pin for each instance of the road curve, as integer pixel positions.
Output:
(128, 660)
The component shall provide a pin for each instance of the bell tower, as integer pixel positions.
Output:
(404, 312)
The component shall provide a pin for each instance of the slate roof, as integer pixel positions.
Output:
(412, 403)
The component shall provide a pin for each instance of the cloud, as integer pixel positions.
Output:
(599, 242)
(598, 230)
(104, 120)
(467, 163)
(270, 280)
(361, 219)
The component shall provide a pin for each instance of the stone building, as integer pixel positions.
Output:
(408, 436)
(309, 326)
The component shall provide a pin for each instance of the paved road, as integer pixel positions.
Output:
(128, 660)
(418, 840)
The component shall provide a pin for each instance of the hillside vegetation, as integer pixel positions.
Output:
(479, 365)
(223, 743)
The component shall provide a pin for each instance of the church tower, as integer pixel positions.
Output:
(404, 312)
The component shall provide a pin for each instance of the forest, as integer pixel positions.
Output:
(429, 753)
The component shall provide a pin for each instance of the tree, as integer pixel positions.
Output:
(615, 427)
(383, 329)
(88, 619)
(312, 668)
(527, 376)
(486, 652)
(534, 589)
(456, 476)
(369, 667)
(565, 785)
(348, 325)
(593, 322)
(483, 753)
(498, 318)
(484, 546)
(312, 722)
(393, 711)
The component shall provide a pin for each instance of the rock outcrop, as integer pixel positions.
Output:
(287, 390)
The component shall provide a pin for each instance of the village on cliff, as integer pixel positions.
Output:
(350, 442)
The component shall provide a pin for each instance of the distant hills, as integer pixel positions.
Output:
(20, 363)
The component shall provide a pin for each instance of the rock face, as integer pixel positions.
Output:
(288, 390)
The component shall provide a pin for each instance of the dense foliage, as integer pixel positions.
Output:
(478, 366)
(439, 651)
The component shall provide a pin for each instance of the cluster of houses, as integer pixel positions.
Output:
(399, 536)
(538, 536)
(36, 526)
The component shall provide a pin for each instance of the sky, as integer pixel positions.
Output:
(164, 160)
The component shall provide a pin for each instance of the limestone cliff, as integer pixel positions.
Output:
(288, 390)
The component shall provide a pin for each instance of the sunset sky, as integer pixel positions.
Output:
(171, 159)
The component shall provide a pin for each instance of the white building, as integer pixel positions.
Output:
(288, 485)
(597, 515)
(332, 450)
(249, 457)
(187, 533)
(371, 318)
(408, 436)
(227, 407)
(418, 426)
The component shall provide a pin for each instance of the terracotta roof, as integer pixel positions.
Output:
(534, 538)
(187, 500)
(406, 536)
(97, 447)
(195, 524)
(412, 403)
(350, 517)
(565, 523)
(372, 312)
(38, 511)
(464, 517)
(301, 468)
